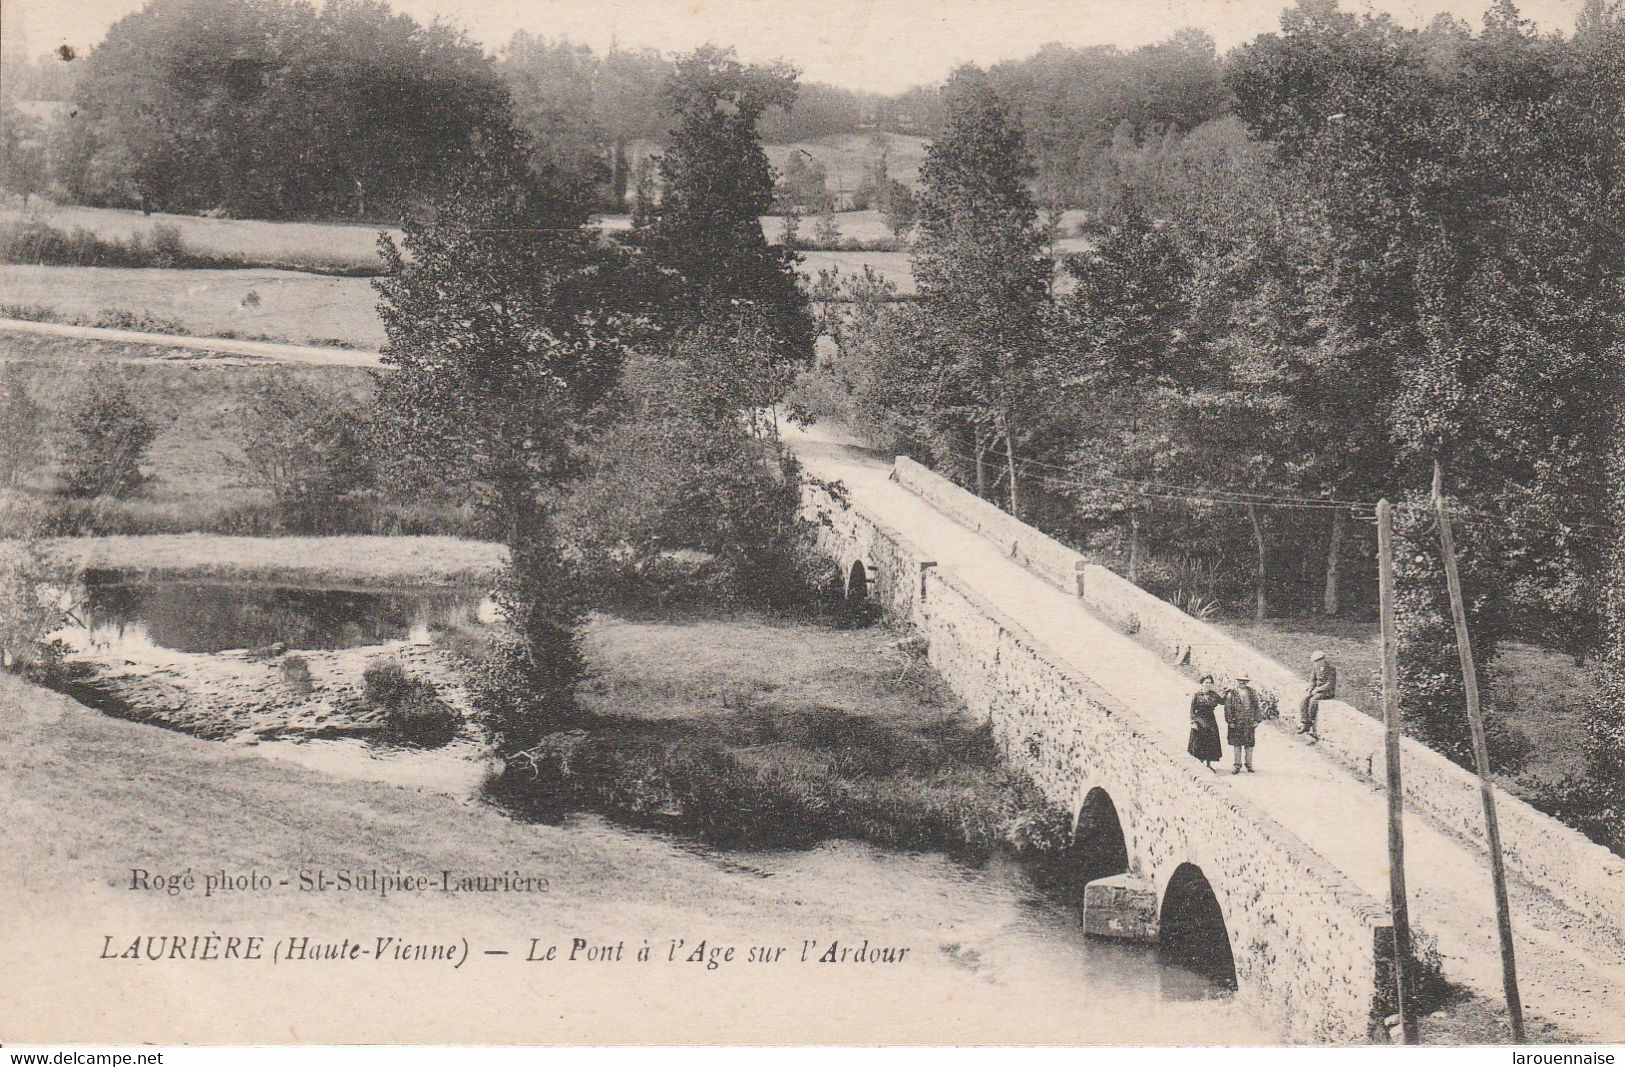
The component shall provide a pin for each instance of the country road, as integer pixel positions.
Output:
(238, 350)
(1571, 966)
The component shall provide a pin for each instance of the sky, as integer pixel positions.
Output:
(880, 45)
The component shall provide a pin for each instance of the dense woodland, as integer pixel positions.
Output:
(1399, 248)
(1322, 264)
(185, 104)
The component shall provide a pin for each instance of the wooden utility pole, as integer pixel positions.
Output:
(1481, 756)
(1398, 901)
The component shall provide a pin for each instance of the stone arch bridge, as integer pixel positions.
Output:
(1279, 878)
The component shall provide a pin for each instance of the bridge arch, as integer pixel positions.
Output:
(1098, 843)
(857, 584)
(1193, 929)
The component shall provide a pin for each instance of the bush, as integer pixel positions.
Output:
(414, 714)
(309, 448)
(107, 438)
(22, 429)
(770, 779)
(36, 241)
(140, 321)
(296, 675)
(525, 683)
(31, 609)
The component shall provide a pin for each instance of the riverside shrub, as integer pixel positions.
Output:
(108, 435)
(414, 714)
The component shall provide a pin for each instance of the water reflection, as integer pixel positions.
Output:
(990, 925)
(204, 617)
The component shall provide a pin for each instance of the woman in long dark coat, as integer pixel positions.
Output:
(1204, 744)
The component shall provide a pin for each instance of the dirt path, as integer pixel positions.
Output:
(248, 352)
(1571, 966)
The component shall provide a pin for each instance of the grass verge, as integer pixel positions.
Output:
(333, 562)
(751, 731)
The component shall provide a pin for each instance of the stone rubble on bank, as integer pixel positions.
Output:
(244, 696)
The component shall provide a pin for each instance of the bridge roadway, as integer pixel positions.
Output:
(1571, 966)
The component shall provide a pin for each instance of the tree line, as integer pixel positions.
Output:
(348, 110)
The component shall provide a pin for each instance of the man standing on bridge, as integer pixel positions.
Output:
(1322, 686)
(1242, 711)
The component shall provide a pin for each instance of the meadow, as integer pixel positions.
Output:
(296, 306)
(279, 305)
(197, 479)
(848, 157)
(290, 245)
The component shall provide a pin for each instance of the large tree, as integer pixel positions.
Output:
(706, 230)
(507, 322)
(275, 108)
(504, 317)
(1466, 207)
(983, 278)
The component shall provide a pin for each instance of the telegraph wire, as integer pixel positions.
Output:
(1359, 510)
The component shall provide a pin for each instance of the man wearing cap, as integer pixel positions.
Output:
(1322, 686)
(1242, 711)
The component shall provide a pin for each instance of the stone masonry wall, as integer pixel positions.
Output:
(1537, 847)
(1305, 949)
(894, 564)
(1039, 553)
(1306, 959)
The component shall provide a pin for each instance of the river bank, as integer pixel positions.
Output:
(357, 561)
(90, 798)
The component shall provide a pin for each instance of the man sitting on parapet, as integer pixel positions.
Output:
(1242, 710)
(1322, 686)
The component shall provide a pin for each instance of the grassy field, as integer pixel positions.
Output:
(1539, 692)
(195, 466)
(291, 245)
(746, 730)
(331, 562)
(261, 304)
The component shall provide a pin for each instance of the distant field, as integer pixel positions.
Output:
(847, 157)
(293, 245)
(893, 266)
(284, 305)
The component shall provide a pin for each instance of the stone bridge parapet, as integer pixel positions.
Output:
(1537, 847)
(1305, 950)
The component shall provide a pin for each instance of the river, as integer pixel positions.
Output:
(989, 922)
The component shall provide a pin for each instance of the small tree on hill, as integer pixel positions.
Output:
(898, 208)
(826, 231)
(306, 446)
(1432, 698)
